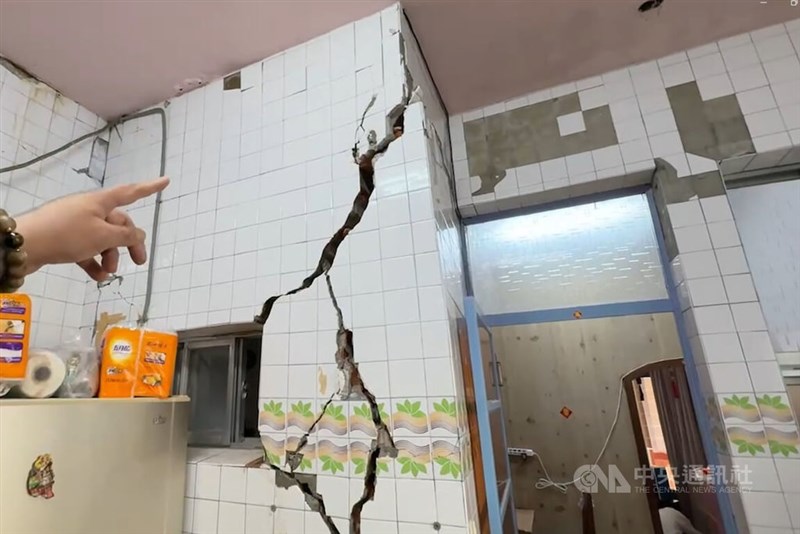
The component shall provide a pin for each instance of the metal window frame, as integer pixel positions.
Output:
(200, 439)
(234, 400)
(497, 504)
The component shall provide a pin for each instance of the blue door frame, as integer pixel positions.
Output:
(670, 304)
(692, 377)
(497, 504)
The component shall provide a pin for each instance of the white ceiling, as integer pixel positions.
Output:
(115, 57)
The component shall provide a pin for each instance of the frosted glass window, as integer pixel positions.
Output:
(582, 255)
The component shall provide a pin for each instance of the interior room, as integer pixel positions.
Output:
(406, 276)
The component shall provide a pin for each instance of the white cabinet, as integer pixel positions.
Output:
(118, 465)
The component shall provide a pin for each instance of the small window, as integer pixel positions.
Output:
(220, 376)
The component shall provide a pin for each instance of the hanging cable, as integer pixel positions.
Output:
(143, 317)
(55, 151)
(547, 482)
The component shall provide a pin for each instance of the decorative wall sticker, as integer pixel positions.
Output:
(565, 412)
(775, 407)
(41, 477)
(272, 416)
(577, 314)
(739, 407)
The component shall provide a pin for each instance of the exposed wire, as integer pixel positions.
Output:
(113, 126)
(55, 151)
(547, 482)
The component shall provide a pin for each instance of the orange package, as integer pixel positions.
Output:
(15, 332)
(119, 359)
(157, 354)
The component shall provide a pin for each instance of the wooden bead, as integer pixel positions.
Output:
(14, 241)
(15, 271)
(7, 224)
(13, 283)
(16, 257)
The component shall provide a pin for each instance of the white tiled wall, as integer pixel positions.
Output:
(761, 68)
(261, 178)
(735, 360)
(766, 216)
(35, 119)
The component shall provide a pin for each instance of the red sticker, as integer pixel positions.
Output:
(565, 412)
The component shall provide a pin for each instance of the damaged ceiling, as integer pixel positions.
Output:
(118, 57)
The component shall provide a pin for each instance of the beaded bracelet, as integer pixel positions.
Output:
(12, 259)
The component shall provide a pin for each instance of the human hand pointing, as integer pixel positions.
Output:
(79, 227)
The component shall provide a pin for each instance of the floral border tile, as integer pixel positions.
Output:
(409, 419)
(783, 440)
(334, 420)
(309, 462)
(274, 446)
(272, 416)
(447, 456)
(739, 408)
(301, 415)
(333, 456)
(443, 417)
(359, 454)
(747, 440)
(361, 418)
(413, 458)
(775, 408)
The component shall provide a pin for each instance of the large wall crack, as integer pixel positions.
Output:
(351, 384)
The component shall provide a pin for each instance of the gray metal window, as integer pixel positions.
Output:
(220, 375)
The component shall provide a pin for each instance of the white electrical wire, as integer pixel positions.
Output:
(547, 482)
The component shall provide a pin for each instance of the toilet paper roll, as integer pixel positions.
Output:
(43, 375)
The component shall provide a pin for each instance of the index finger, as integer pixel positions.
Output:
(122, 195)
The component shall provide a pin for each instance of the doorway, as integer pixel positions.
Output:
(670, 450)
(575, 298)
(562, 389)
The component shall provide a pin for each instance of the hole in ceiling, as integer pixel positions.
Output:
(650, 5)
(232, 81)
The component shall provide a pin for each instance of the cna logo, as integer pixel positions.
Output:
(591, 478)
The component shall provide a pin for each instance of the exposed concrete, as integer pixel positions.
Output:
(669, 189)
(713, 129)
(530, 134)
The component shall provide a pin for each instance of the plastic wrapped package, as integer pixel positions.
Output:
(82, 370)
